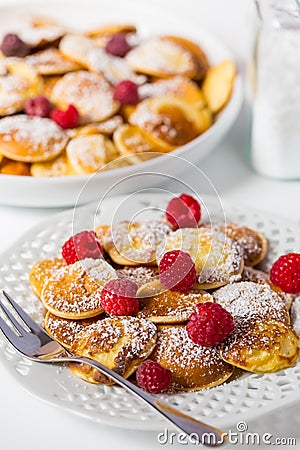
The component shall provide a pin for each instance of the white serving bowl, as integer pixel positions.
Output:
(151, 19)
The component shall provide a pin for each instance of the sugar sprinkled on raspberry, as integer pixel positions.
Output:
(12, 45)
(80, 246)
(210, 324)
(152, 377)
(285, 273)
(38, 106)
(183, 212)
(66, 119)
(118, 45)
(126, 93)
(118, 297)
(177, 271)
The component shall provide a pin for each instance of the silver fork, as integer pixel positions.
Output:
(31, 341)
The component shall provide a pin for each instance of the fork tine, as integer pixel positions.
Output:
(13, 320)
(10, 335)
(24, 316)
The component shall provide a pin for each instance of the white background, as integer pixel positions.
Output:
(28, 423)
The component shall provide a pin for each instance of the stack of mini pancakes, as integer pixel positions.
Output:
(180, 95)
(263, 339)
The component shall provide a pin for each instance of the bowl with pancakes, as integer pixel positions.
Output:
(83, 101)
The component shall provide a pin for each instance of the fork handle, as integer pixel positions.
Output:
(194, 429)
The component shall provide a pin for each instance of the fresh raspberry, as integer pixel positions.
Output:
(38, 106)
(12, 45)
(183, 212)
(152, 377)
(285, 273)
(118, 297)
(210, 324)
(118, 45)
(177, 271)
(80, 246)
(66, 119)
(126, 93)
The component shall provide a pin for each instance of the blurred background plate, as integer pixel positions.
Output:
(151, 18)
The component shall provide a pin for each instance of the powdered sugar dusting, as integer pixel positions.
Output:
(39, 134)
(171, 305)
(192, 365)
(139, 241)
(89, 92)
(105, 334)
(12, 89)
(160, 55)
(115, 69)
(140, 275)
(76, 289)
(247, 300)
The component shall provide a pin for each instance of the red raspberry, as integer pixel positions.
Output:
(38, 106)
(210, 324)
(12, 45)
(152, 377)
(80, 246)
(66, 119)
(285, 273)
(118, 45)
(118, 297)
(177, 271)
(183, 212)
(126, 93)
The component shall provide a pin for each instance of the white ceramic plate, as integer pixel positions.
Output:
(152, 18)
(246, 398)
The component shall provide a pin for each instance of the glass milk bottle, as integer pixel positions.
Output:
(275, 143)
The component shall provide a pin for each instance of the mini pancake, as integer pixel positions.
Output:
(74, 291)
(89, 92)
(168, 119)
(135, 244)
(31, 139)
(76, 47)
(197, 52)
(260, 277)
(119, 343)
(18, 83)
(171, 307)
(51, 62)
(253, 243)
(41, 271)
(218, 85)
(58, 167)
(139, 275)
(87, 154)
(163, 57)
(247, 300)
(136, 145)
(10, 167)
(65, 331)
(261, 346)
(193, 367)
(217, 258)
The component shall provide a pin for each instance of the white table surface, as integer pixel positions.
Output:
(28, 423)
